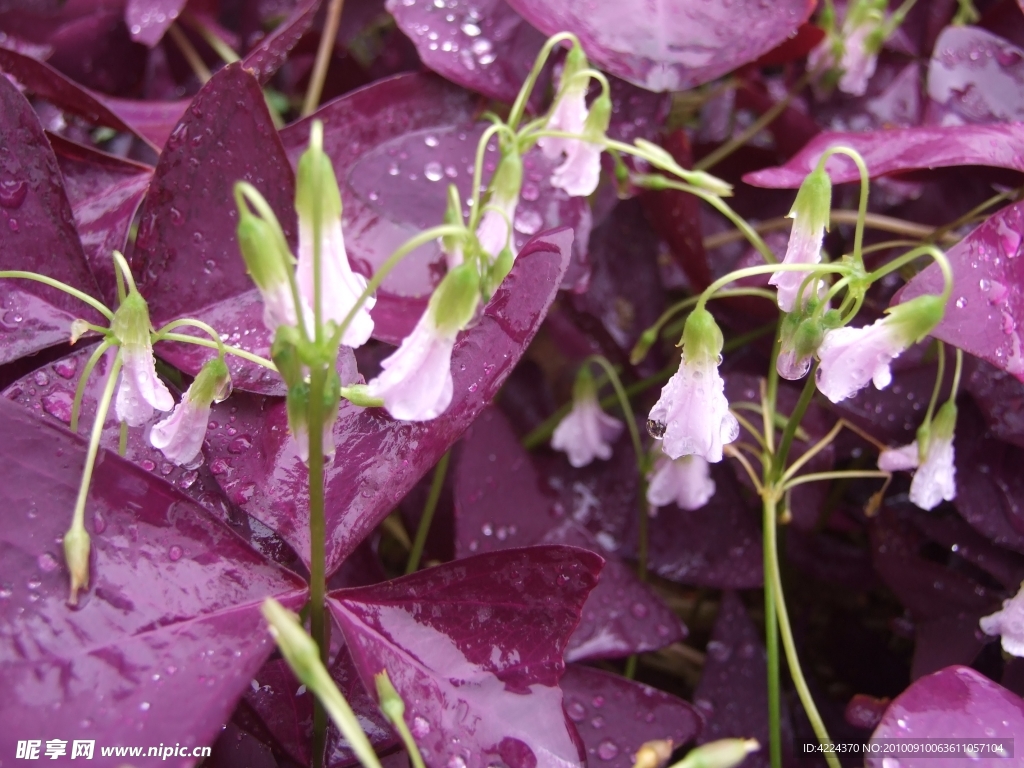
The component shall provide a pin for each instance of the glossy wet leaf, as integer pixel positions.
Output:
(105, 192)
(271, 52)
(169, 632)
(954, 703)
(486, 47)
(615, 716)
(986, 307)
(148, 20)
(975, 77)
(186, 257)
(901, 149)
(443, 637)
(37, 233)
(395, 146)
(380, 459)
(670, 45)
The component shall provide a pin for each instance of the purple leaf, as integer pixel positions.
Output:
(623, 615)
(987, 305)
(953, 639)
(104, 192)
(169, 632)
(186, 256)
(670, 45)
(395, 146)
(733, 690)
(1000, 396)
(615, 716)
(443, 637)
(498, 505)
(379, 459)
(271, 52)
(486, 47)
(37, 234)
(152, 120)
(148, 20)
(975, 77)
(47, 83)
(901, 149)
(955, 703)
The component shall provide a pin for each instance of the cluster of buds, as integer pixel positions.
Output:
(849, 55)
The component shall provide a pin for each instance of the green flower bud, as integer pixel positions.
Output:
(915, 319)
(131, 325)
(499, 270)
(285, 354)
(643, 346)
(702, 338)
(724, 753)
(391, 703)
(508, 177)
(455, 301)
(599, 118)
(76, 555)
(813, 205)
(315, 180)
(212, 384)
(78, 328)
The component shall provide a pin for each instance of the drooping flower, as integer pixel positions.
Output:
(692, 415)
(180, 436)
(340, 287)
(569, 113)
(851, 357)
(849, 55)
(1009, 623)
(140, 390)
(810, 214)
(494, 232)
(860, 57)
(586, 432)
(416, 381)
(685, 481)
(935, 478)
(267, 259)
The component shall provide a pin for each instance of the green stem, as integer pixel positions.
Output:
(519, 106)
(767, 269)
(786, 441)
(774, 585)
(76, 405)
(939, 376)
(122, 263)
(319, 628)
(726, 149)
(478, 171)
(78, 519)
(416, 553)
(188, 321)
(925, 250)
(328, 36)
(84, 297)
(222, 49)
(957, 370)
(865, 185)
(195, 61)
(840, 474)
(227, 348)
(771, 628)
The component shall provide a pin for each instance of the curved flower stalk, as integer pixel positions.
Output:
(685, 482)
(932, 456)
(810, 214)
(692, 415)
(852, 357)
(569, 113)
(180, 436)
(416, 381)
(141, 390)
(1008, 623)
(586, 432)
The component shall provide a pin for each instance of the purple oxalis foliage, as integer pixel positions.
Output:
(111, 138)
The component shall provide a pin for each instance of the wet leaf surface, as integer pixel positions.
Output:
(442, 635)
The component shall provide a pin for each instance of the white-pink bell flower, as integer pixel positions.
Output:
(852, 357)
(494, 231)
(859, 60)
(180, 436)
(340, 286)
(1008, 623)
(587, 432)
(810, 214)
(692, 415)
(416, 381)
(140, 390)
(935, 478)
(685, 482)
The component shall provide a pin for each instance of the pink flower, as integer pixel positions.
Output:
(935, 478)
(685, 481)
(804, 248)
(858, 63)
(851, 357)
(579, 174)
(340, 287)
(140, 390)
(493, 232)
(586, 432)
(180, 436)
(569, 116)
(1008, 622)
(416, 381)
(692, 413)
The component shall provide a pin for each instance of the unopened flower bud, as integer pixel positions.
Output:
(499, 271)
(78, 328)
(267, 260)
(661, 158)
(76, 555)
(453, 245)
(391, 703)
(454, 302)
(724, 753)
(653, 754)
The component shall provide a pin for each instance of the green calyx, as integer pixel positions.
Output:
(803, 331)
(598, 118)
(813, 205)
(131, 325)
(498, 271)
(584, 388)
(212, 384)
(315, 181)
(508, 177)
(916, 318)
(702, 338)
(265, 259)
(454, 302)
(453, 216)
(575, 62)
(285, 354)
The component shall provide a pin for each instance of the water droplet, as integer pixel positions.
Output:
(433, 171)
(175, 553)
(176, 216)
(66, 368)
(576, 711)
(961, 302)
(12, 224)
(456, 761)
(144, 706)
(240, 444)
(420, 727)
(528, 222)
(597, 723)
(47, 563)
(99, 524)
(656, 429)
(471, 29)
(431, 140)
(598, 702)
(639, 610)
(12, 193)
(607, 749)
